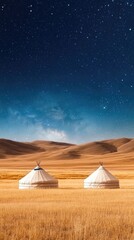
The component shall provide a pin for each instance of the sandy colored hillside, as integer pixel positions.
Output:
(10, 148)
(68, 161)
(127, 148)
(50, 145)
(116, 150)
(66, 150)
(118, 142)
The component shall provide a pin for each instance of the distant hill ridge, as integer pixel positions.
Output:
(65, 150)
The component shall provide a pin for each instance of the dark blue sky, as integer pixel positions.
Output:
(66, 70)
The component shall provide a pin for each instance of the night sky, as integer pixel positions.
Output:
(66, 70)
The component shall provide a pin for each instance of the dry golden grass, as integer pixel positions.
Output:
(69, 213)
(66, 214)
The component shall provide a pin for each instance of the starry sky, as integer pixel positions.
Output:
(66, 70)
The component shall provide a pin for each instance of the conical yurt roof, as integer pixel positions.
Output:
(38, 178)
(101, 178)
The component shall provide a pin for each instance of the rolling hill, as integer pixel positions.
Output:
(61, 150)
(10, 148)
(117, 153)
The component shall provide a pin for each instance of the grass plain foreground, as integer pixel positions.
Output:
(67, 213)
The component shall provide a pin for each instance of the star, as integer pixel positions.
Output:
(2, 7)
(80, 55)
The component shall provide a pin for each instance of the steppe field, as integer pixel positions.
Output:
(70, 212)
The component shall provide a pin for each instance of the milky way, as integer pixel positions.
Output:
(66, 70)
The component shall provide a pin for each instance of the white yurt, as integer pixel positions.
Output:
(38, 178)
(101, 178)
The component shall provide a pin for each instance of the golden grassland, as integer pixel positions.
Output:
(67, 213)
